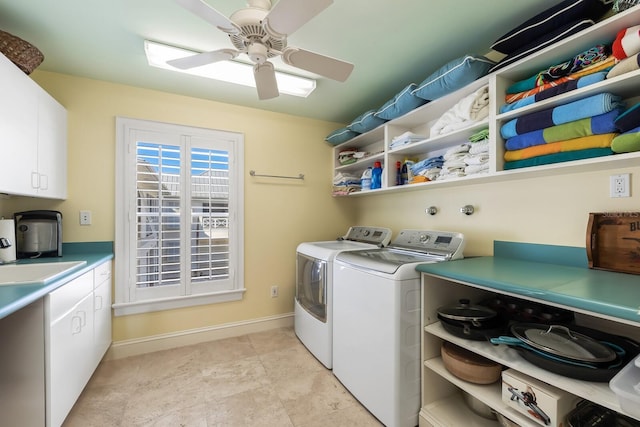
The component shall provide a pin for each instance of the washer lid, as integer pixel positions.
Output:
(409, 247)
(385, 260)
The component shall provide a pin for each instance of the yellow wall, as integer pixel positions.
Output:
(549, 210)
(279, 214)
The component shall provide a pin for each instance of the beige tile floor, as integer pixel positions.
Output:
(262, 379)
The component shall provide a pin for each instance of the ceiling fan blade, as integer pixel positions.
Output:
(209, 14)
(324, 65)
(288, 15)
(203, 58)
(266, 83)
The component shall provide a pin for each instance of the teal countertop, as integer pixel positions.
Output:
(15, 297)
(555, 274)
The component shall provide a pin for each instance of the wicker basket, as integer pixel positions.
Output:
(26, 56)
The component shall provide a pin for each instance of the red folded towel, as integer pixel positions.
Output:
(627, 42)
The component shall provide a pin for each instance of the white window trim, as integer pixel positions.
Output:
(123, 305)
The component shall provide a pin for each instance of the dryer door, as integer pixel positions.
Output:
(311, 286)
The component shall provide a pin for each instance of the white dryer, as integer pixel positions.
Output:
(376, 321)
(313, 321)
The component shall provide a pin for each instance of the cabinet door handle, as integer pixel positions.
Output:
(35, 179)
(44, 182)
(98, 304)
(76, 325)
(83, 317)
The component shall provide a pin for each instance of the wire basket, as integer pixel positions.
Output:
(26, 56)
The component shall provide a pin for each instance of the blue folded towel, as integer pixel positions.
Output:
(432, 162)
(596, 125)
(555, 90)
(581, 109)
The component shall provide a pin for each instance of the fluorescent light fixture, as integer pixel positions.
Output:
(227, 71)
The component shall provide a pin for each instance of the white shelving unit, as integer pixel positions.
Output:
(441, 404)
(420, 120)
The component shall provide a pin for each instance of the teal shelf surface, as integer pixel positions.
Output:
(546, 278)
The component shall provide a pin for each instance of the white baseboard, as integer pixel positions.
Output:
(133, 347)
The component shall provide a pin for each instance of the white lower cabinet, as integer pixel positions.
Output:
(442, 393)
(77, 334)
(101, 311)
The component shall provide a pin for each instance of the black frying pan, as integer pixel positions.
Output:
(595, 374)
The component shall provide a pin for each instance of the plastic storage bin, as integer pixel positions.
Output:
(626, 386)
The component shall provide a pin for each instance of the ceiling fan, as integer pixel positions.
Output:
(260, 31)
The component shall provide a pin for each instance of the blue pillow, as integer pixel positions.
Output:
(453, 76)
(365, 122)
(400, 104)
(339, 136)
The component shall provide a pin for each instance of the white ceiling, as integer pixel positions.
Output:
(391, 43)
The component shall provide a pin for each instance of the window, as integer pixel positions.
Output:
(179, 216)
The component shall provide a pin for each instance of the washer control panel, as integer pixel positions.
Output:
(446, 243)
(376, 235)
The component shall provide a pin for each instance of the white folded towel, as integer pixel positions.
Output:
(455, 150)
(476, 159)
(472, 108)
(479, 147)
(474, 169)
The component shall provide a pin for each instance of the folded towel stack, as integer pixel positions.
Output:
(470, 109)
(477, 160)
(628, 124)
(596, 125)
(454, 164)
(580, 129)
(345, 183)
(427, 169)
(550, 90)
(405, 139)
(580, 109)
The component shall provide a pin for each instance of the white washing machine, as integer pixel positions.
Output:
(313, 321)
(376, 321)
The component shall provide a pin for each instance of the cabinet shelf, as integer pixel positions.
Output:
(440, 142)
(490, 394)
(452, 411)
(361, 163)
(599, 393)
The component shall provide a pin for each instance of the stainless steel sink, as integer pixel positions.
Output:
(13, 274)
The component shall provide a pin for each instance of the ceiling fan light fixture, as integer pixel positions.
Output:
(228, 71)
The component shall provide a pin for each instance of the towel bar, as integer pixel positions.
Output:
(253, 173)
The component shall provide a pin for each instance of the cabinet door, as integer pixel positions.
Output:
(102, 324)
(18, 121)
(69, 364)
(52, 148)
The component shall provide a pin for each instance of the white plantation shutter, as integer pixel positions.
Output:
(181, 236)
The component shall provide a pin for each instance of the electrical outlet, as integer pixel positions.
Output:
(620, 185)
(274, 291)
(85, 217)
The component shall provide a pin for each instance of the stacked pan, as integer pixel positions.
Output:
(560, 347)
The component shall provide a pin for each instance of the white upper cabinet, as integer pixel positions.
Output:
(33, 137)
(18, 129)
(52, 148)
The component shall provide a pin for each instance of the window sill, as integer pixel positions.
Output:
(127, 308)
